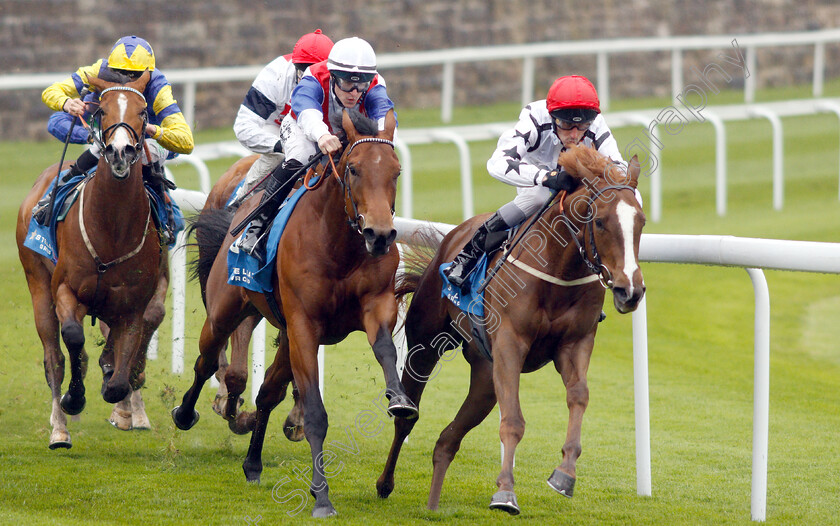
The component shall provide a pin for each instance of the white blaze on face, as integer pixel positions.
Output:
(121, 136)
(626, 219)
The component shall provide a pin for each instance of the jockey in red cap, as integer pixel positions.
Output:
(526, 157)
(257, 124)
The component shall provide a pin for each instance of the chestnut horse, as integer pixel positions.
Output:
(233, 375)
(334, 274)
(110, 265)
(542, 306)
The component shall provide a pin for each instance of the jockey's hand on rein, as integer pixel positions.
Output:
(559, 180)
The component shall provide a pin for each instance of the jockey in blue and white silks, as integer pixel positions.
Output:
(347, 79)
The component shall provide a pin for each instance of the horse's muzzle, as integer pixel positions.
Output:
(121, 159)
(626, 299)
(378, 241)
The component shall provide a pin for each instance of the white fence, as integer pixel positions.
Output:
(603, 50)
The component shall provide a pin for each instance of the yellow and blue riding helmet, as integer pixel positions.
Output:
(132, 53)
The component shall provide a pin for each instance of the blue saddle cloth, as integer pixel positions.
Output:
(467, 299)
(244, 270)
(41, 238)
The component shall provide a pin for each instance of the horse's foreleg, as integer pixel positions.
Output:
(507, 367)
(70, 312)
(271, 393)
(572, 365)
(46, 324)
(479, 402)
(379, 322)
(420, 363)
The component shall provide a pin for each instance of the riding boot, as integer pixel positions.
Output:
(155, 177)
(277, 187)
(465, 261)
(85, 162)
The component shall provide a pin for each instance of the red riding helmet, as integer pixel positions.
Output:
(311, 48)
(573, 98)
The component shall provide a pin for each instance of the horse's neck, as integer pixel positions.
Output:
(343, 240)
(559, 254)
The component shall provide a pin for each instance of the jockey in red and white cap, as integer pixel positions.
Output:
(347, 79)
(526, 157)
(257, 124)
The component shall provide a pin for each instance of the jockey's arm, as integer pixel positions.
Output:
(269, 93)
(510, 161)
(377, 103)
(306, 101)
(173, 133)
(57, 94)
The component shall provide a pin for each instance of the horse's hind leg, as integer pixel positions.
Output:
(293, 426)
(479, 402)
(222, 319)
(70, 313)
(228, 399)
(572, 365)
(272, 392)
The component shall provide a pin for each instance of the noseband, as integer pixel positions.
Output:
(593, 263)
(356, 219)
(102, 135)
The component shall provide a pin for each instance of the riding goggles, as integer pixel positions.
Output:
(348, 85)
(569, 125)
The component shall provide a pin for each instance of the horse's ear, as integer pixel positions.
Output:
(97, 84)
(142, 81)
(390, 126)
(347, 124)
(634, 168)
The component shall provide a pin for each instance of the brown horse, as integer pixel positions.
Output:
(110, 265)
(334, 274)
(542, 306)
(233, 375)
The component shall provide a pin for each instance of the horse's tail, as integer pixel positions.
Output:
(424, 245)
(210, 228)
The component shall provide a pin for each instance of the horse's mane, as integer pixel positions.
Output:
(364, 125)
(110, 75)
(577, 160)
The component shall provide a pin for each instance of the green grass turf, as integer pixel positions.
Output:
(701, 377)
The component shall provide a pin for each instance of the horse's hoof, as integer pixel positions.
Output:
(72, 405)
(217, 405)
(384, 490)
(61, 444)
(293, 433)
(505, 501)
(401, 406)
(562, 483)
(323, 511)
(252, 473)
(179, 424)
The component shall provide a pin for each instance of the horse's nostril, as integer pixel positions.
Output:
(392, 235)
(369, 234)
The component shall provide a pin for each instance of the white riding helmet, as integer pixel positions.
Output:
(352, 59)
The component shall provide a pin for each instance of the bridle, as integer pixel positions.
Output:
(593, 260)
(100, 136)
(355, 219)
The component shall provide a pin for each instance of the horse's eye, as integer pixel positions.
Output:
(599, 224)
(352, 170)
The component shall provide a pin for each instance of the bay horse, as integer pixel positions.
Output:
(233, 375)
(110, 266)
(334, 274)
(543, 306)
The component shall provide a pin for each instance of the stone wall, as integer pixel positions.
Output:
(60, 35)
